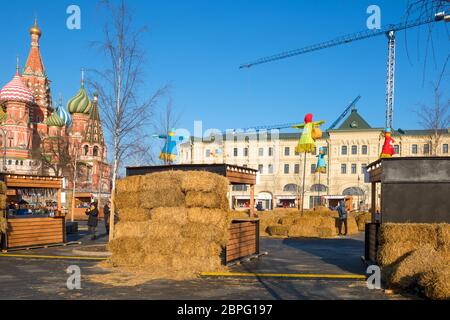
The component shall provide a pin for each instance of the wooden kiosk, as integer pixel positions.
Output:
(33, 211)
(413, 190)
(244, 233)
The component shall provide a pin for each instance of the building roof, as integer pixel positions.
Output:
(94, 131)
(80, 103)
(34, 65)
(354, 122)
(16, 90)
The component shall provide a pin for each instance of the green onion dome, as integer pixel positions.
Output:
(80, 103)
(55, 120)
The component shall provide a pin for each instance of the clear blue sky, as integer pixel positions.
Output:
(197, 46)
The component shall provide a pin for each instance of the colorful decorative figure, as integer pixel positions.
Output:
(311, 132)
(388, 146)
(321, 163)
(169, 152)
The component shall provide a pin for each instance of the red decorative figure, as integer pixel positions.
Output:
(388, 146)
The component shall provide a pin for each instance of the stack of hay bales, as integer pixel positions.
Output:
(171, 224)
(416, 256)
(3, 223)
(317, 223)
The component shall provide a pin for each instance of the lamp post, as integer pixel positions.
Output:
(358, 193)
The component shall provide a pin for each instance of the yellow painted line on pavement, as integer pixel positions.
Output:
(34, 256)
(284, 275)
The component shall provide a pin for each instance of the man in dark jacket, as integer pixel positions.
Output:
(342, 217)
(92, 212)
(107, 214)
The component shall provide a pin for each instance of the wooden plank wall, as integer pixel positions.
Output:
(243, 241)
(372, 241)
(35, 231)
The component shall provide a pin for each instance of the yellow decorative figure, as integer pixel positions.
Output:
(311, 132)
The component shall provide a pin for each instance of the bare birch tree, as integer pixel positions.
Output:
(436, 119)
(125, 111)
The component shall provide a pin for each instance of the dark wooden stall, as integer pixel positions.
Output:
(413, 190)
(244, 233)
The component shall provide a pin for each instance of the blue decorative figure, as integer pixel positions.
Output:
(321, 163)
(169, 151)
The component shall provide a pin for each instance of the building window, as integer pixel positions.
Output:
(261, 152)
(21, 162)
(343, 168)
(297, 169)
(353, 168)
(17, 162)
(396, 149)
(313, 168)
(235, 152)
(208, 153)
(9, 162)
(245, 152)
(290, 188)
(286, 169)
(414, 149)
(239, 187)
(261, 168)
(86, 150)
(364, 149)
(354, 149)
(363, 168)
(287, 151)
(270, 169)
(445, 148)
(426, 148)
(344, 150)
(95, 152)
(270, 152)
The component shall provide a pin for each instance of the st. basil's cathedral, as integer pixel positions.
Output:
(29, 118)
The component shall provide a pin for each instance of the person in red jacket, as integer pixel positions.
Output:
(388, 146)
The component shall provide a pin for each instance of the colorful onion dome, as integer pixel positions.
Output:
(16, 90)
(80, 103)
(63, 114)
(2, 115)
(55, 120)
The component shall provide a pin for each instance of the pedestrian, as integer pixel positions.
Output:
(92, 212)
(107, 214)
(342, 217)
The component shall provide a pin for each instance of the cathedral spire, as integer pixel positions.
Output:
(34, 65)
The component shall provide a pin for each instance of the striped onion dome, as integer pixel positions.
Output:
(80, 103)
(16, 90)
(63, 114)
(55, 120)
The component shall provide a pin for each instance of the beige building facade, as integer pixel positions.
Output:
(349, 149)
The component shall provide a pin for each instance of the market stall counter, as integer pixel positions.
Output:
(33, 211)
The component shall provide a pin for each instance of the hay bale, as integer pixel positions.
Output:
(234, 215)
(419, 233)
(443, 236)
(289, 220)
(134, 215)
(126, 251)
(202, 181)
(129, 184)
(212, 200)
(162, 189)
(278, 230)
(362, 219)
(3, 187)
(127, 200)
(3, 201)
(436, 282)
(3, 225)
(174, 215)
(303, 230)
(214, 217)
(200, 232)
(352, 226)
(393, 252)
(407, 272)
(131, 229)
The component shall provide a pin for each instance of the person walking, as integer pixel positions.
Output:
(107, 214)
(92, 212)
(342, 217)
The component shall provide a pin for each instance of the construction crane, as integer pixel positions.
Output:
(388, 30)
(342, 116)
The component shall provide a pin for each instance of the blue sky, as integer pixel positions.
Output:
(197, 47)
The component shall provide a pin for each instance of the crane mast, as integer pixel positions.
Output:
(390, 83)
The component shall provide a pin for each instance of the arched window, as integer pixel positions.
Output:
(95, 152)
(318, 188)
(290, 188)
(353, 191)
(86, 150)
